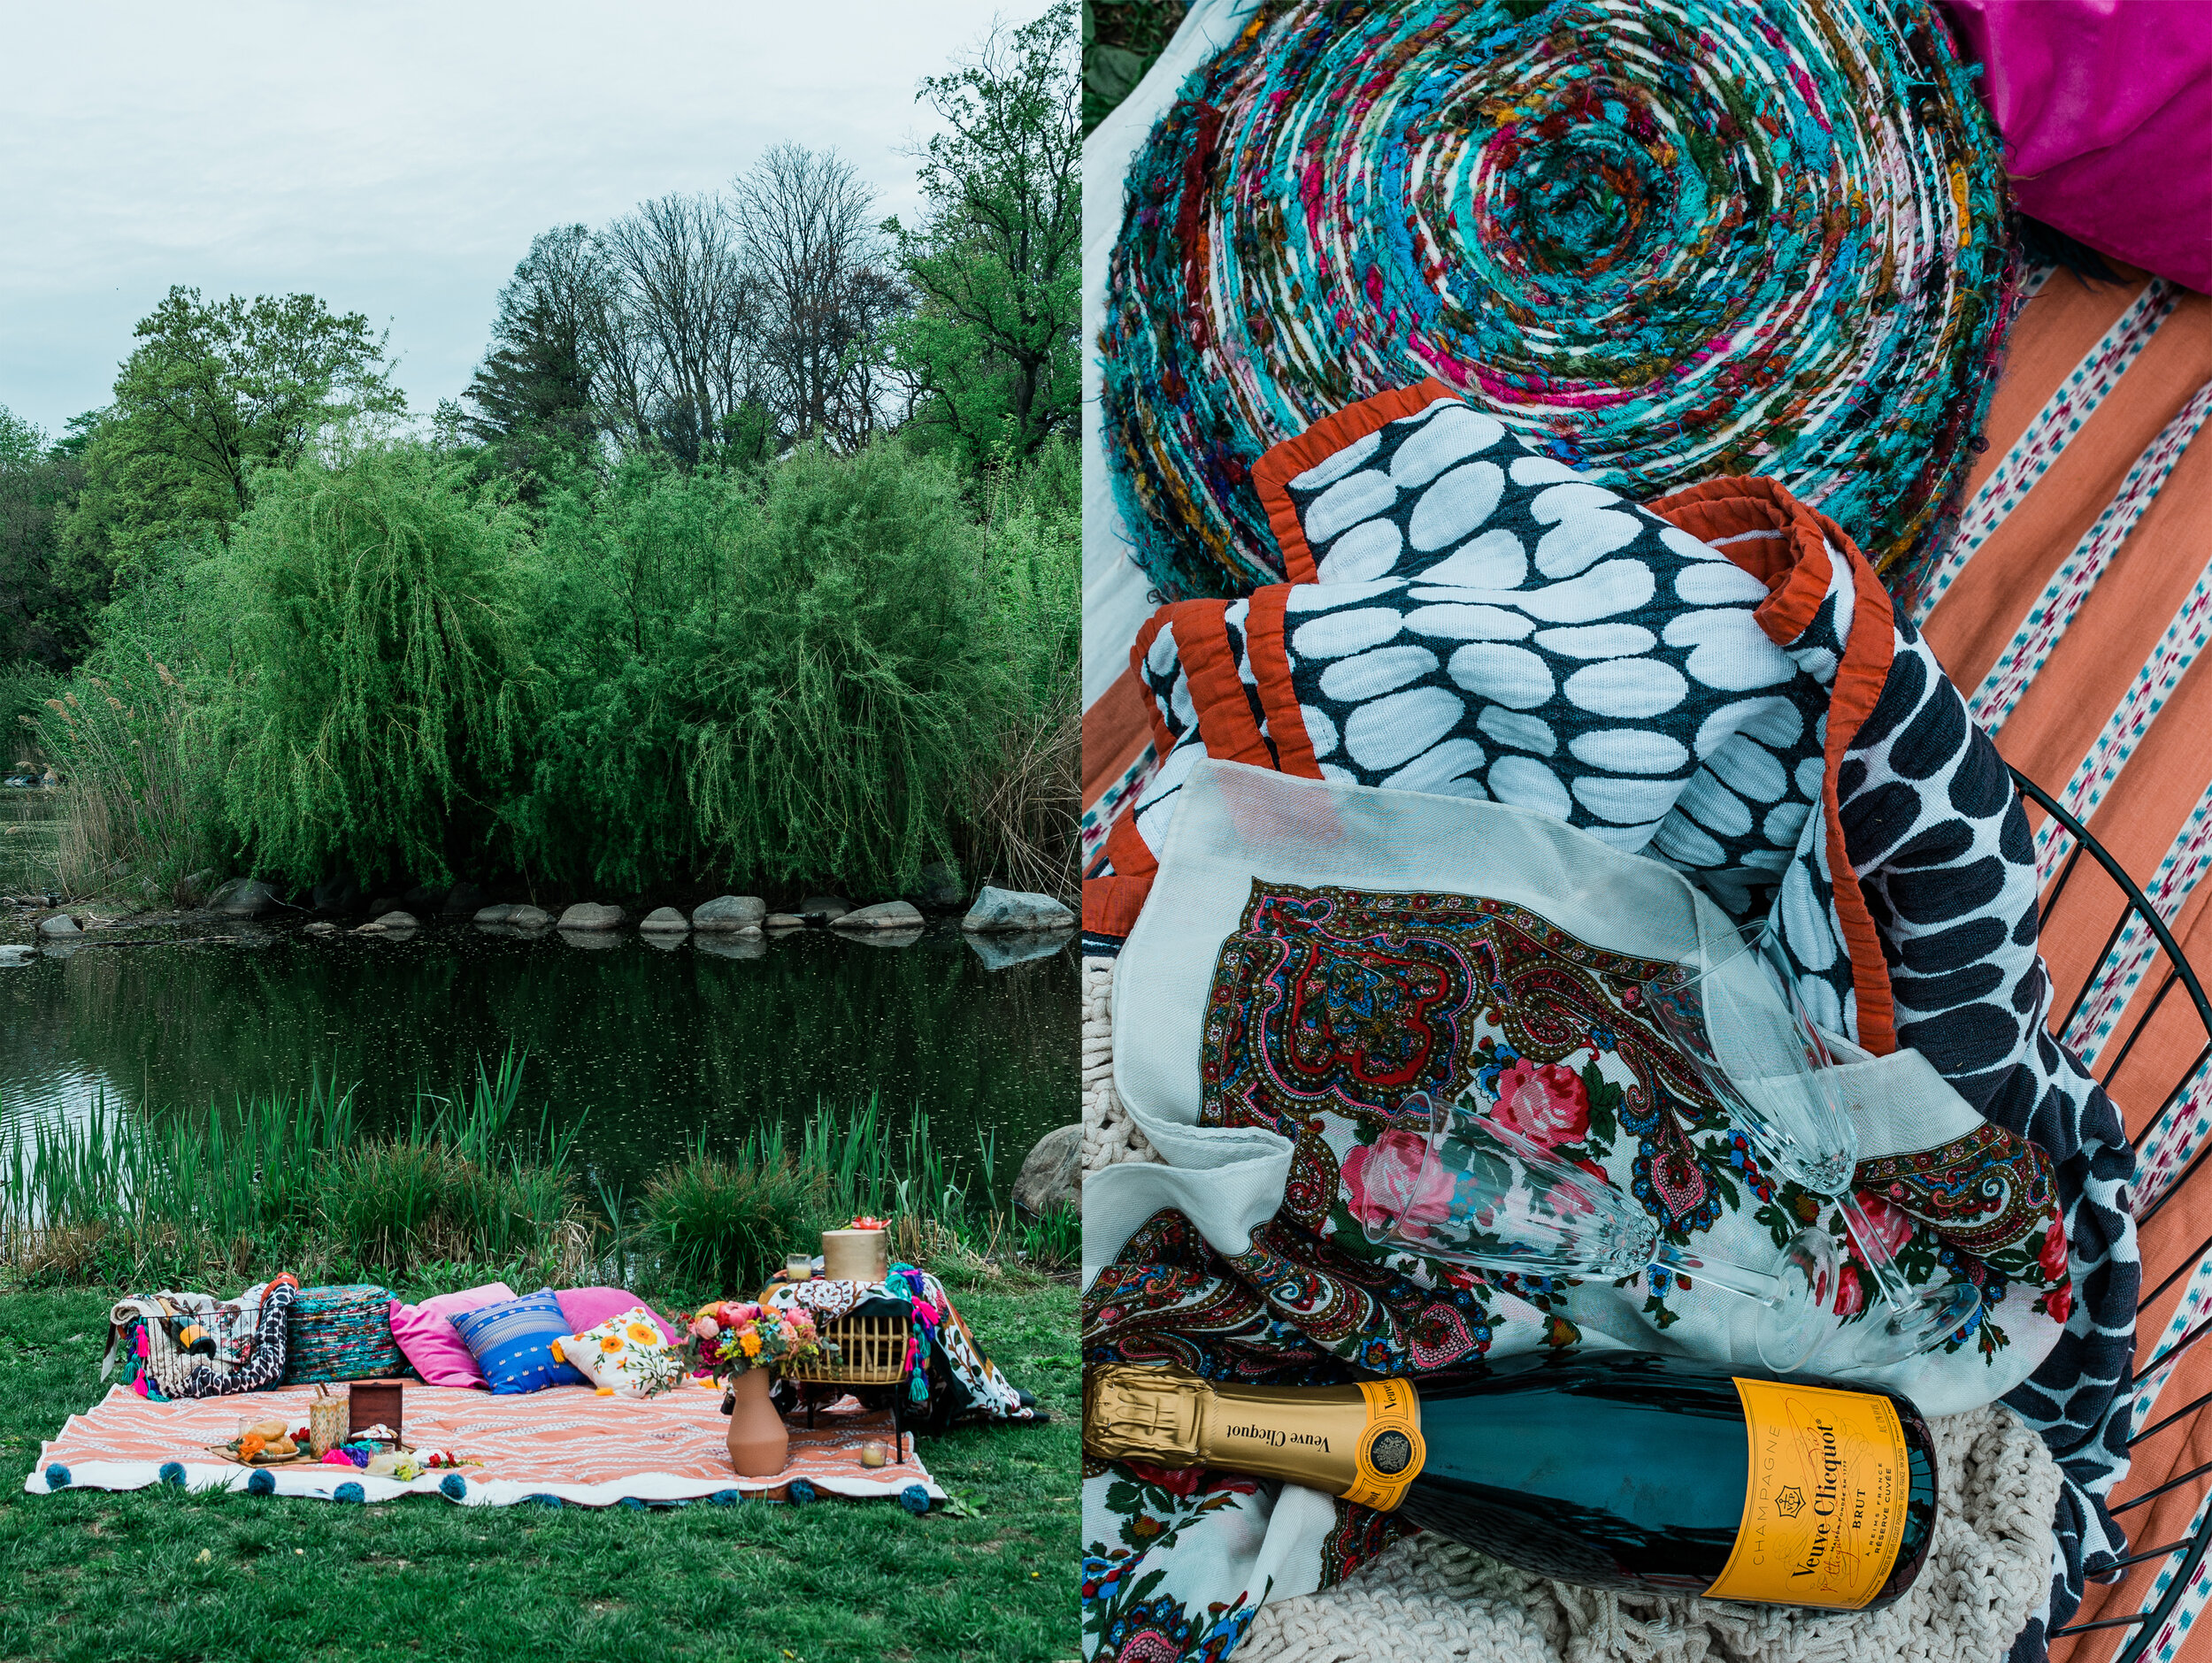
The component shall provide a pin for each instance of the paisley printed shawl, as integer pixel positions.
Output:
(1325, 1006)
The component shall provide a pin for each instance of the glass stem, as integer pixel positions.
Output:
(1895, 1292)
(1753, 1284)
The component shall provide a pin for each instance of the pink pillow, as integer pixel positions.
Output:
(588, 1308)
(2106, 109)
(426, 1337)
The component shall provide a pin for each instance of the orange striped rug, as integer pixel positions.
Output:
(2073, 609)
(565, 1442)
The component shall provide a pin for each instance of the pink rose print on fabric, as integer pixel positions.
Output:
(1892, 1225)
(1573, 1196)
(1545, 1102)
(2053, 1258)
(1380, 1180)
(1850, 1292)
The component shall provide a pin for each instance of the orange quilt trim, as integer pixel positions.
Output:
(1287, 459)
(1264, 640)
(1794, 568)
(1226, 723)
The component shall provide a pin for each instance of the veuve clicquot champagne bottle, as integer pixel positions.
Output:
(1615, 1469)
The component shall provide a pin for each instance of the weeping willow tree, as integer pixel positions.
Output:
(380, 689)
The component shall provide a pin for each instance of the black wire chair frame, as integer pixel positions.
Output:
(2188, 1554)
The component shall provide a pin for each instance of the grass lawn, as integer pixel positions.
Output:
(158, 1574)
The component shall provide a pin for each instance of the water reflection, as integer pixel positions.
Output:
(648, 1044)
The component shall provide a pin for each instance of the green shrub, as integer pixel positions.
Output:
(831, 668)
(714, 1221)
(837, 668)
(395, 1204)
(1054, 1242)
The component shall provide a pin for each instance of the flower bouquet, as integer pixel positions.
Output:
(729, 1338)
(738, 1344)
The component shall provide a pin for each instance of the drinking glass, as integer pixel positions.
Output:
(1737, 1016)
(1481, 1193)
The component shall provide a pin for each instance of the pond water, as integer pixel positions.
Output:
(646, 1046)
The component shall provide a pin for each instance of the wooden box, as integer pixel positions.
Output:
(373, 1403)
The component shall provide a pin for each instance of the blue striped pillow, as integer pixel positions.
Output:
(512, 1342)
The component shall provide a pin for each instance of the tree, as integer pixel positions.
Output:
(991, 351)
(533, 398)
(214, 391)
(826, 291)
(377, 701)
(46, 601)
(681, 344)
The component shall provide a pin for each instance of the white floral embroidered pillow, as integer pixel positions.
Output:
(626, 1354)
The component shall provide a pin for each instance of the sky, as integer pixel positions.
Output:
(396, 158)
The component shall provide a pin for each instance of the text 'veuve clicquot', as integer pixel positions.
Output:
(1618, 1469)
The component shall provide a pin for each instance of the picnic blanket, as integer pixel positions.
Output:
(567, 1442)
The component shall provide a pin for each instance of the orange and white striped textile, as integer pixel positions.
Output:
(2074, 608)
(567, 1442)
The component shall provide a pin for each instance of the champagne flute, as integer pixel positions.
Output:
(1737, 1016)
(1480, 1193)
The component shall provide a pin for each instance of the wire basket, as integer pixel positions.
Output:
(871, 1351)
(2157, 1578)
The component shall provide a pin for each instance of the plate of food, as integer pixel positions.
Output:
(266, 1444)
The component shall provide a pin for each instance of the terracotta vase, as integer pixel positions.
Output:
(760, 1447)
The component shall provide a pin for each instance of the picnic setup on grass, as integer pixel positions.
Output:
(1645, 806)
(817, 1384)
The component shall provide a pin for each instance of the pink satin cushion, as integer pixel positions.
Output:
(2106, 109)
(588, 1308)
(426, 1336)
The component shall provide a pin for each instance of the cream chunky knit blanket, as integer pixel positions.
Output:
(1429, 1600)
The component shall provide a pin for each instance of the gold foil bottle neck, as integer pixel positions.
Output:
(1362, 1441)
(1132, 1413)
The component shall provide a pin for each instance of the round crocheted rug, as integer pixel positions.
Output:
(1670, 241)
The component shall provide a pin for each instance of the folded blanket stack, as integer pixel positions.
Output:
(342, 1333)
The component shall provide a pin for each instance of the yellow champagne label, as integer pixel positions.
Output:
(1389, 1449)
(1823, 1510)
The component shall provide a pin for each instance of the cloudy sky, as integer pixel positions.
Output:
(397, 158)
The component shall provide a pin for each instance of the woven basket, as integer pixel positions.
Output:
(342, 1333)
(871, 1351)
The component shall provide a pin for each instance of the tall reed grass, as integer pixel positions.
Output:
(292, 1182)
(472, 1186)
(127, 745)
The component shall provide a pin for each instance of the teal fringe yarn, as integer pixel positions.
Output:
(1665, 239)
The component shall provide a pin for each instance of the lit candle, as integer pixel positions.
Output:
(873, 1454)
(798, 1268)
